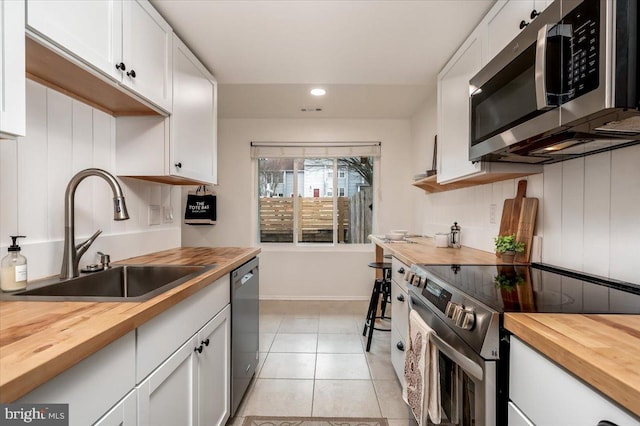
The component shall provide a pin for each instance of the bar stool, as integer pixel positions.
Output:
(381, 286)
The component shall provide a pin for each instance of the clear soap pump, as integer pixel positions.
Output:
(13, 269)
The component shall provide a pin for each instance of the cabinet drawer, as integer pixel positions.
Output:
(92, 386)
(397, 354)
(397, 270)
(400, 310)
(547, 394)
(160, 337)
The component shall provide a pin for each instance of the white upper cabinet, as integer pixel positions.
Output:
(12, 65)
(194, 120)
(506, 19)
(125, 40)
(453, 111)
(146, 52)
(90, 30)
(180, 149)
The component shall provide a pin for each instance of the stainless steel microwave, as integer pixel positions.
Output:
(566, 86)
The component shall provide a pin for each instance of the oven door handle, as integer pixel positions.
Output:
(471, 367)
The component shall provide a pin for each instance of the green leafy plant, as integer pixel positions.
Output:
(508, 243)
(507, 282)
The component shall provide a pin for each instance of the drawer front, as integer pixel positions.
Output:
(397, 270)
(160, 337)
(397, 354)
(547, 394)
(92, 386)
(400, 310)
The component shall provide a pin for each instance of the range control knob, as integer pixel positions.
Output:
(449, 309)
(466, 319)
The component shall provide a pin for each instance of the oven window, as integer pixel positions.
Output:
(457, 395)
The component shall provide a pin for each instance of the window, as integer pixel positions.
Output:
(340, 174)
(321, 211)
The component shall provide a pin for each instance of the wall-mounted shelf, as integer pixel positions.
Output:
(430, 184)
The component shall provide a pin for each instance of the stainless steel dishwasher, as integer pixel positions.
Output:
(244, 329)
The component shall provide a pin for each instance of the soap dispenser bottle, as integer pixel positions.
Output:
(13, 269)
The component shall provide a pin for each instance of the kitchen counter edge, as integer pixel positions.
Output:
(593, 347)
(39, 340)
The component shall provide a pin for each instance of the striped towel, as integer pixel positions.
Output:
(422, 376)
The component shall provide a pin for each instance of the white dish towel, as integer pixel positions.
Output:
(421, 373)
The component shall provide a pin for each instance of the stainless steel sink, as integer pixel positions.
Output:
(118, 284)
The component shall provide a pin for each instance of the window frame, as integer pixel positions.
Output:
(295, 244)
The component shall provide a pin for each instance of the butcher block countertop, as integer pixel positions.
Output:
(39, 340)
(424, 250)
(603, 350)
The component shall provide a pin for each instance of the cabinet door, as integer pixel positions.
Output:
(12, 64)
(123, 414)
(505, 24)
(168, 396)
(194, 118)
(453, 112)
(91, 30)
(146, 51)
(214, 374)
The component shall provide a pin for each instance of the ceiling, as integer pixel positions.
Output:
(376, 59)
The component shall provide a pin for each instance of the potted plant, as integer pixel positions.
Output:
(507, 246)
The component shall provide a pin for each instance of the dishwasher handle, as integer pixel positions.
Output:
(246, 278)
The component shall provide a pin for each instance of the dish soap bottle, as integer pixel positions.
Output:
(13, 268)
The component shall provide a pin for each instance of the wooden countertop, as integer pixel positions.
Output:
(39, 340)
(424, 250)
(603, 350)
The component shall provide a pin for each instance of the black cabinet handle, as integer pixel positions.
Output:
(199, 349)
(178, 165)
(401, 271)
(131, 73)
(400, 346)
(206, 342)
(534, 13)
(400, 297)
(523, 24)
(121, 66)
(606, 423)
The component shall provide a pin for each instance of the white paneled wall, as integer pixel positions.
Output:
(65, 136)
(588, 216)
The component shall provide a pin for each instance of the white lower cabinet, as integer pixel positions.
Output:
(167, 396)
(213, 370)
(94, 385)
(542, 393)
(192, 386)
(123, 414)
(399, 317)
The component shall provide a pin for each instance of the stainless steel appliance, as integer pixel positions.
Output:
(244, 329)
(566, 86)
(464, 305)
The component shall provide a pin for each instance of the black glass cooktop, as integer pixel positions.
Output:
(540, 288)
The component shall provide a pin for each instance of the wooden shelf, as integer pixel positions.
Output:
(430, 184)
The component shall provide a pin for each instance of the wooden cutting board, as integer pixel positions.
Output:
(511, 211)
(526, 227)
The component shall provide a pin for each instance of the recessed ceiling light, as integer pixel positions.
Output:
(318, 92)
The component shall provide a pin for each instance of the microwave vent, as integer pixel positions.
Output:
(628, 126)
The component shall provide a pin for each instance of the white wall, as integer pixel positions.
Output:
(65, 136)
(306, 273)
(588, 216)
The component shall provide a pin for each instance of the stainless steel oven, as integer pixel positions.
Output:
(467, 382)
(566, 86)
(464, 305)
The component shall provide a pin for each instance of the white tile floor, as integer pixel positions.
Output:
(313, 363)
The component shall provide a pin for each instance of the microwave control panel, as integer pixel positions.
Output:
(582, 61)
